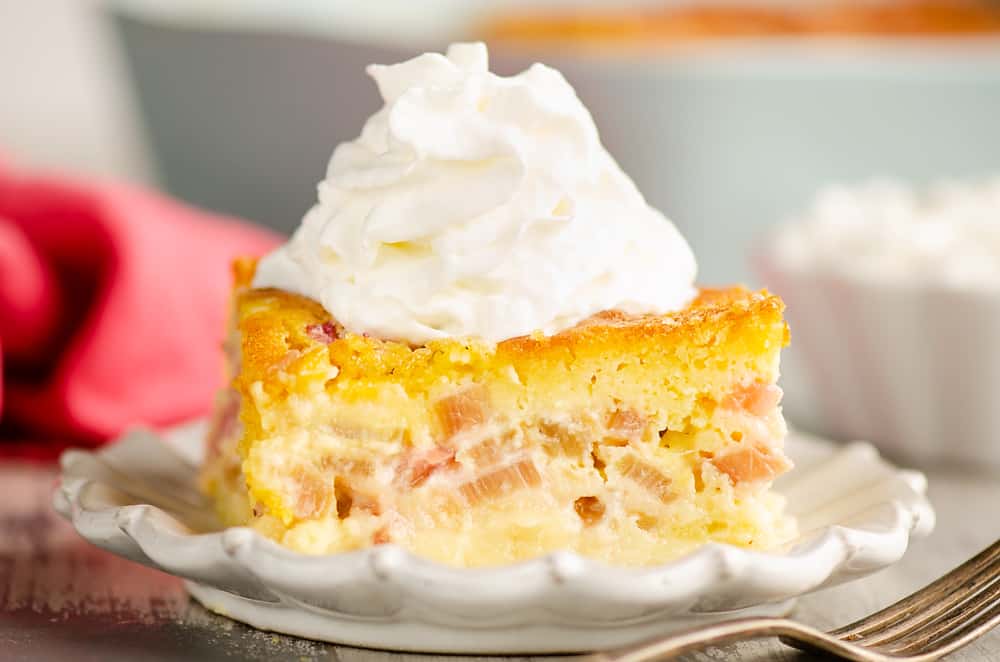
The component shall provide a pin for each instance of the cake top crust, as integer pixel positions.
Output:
(276, 325)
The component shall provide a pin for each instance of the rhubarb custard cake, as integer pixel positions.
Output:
(483, 345)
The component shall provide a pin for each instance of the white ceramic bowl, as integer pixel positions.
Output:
(244, 102)
(914, 368)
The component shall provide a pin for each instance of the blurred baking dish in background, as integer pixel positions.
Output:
(671, 25)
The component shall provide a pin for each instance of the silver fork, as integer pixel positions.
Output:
(938, 619)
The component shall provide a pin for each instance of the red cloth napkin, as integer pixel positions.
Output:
(113, 304)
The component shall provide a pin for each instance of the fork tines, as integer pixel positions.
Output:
(943, 614)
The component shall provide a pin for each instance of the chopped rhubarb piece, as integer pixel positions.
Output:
(647, 477)
(350, 500)
(417, 466)
(324, 333)
(463, 410)
(366, 433)
(346, 466)
(599, 464)
(590, 509)
(367, 503)
(625, 424)
(758, 399)
(382, 536)
(501, 482)
(751, 464)
(561, 440)
(344, 496)
(314, 495)
(486, 453)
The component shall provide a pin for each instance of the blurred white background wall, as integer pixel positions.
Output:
(64, 99)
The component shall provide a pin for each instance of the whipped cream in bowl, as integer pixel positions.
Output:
(479, 205)
(893, 293)
(945, 236)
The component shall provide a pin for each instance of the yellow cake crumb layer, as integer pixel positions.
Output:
(631, 439)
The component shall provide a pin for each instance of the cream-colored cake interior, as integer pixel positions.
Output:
(632, 462)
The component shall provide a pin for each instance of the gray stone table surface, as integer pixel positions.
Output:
(63, 599)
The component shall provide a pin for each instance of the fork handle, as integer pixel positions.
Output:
(714, 634)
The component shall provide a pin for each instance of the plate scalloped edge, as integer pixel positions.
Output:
(138, 498)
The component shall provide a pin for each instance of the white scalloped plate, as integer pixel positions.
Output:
(137, 498)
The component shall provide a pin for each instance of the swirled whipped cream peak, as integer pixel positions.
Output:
(479, 205)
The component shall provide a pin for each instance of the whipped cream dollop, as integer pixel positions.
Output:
(479, 205)
(946, 234)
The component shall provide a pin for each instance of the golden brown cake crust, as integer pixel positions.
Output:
(712, 310)
(273, 322)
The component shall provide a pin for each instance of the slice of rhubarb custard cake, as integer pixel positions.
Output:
(482, 344)
(631, 439)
